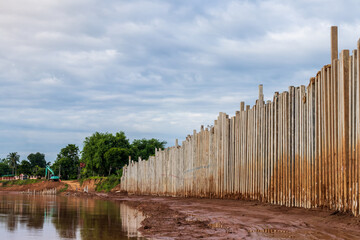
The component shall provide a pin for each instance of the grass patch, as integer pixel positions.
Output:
(20, 182)
(107, 183)
(104, 183)
(82, 180)
(64, 188)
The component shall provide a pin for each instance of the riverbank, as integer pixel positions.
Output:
(189, 218)
(32, 185)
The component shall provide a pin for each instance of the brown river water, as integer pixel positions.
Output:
(55, 217)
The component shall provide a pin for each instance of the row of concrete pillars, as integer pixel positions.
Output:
(300, 149)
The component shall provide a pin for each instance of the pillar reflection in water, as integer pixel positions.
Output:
(131, 220)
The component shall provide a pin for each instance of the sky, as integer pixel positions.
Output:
(153, 69)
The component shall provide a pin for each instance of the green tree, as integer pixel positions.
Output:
(145, 147)
(116, 158)
(68, 162)
(13, 161)
(95, 148)
(5, 160)
(39, 171)
(37, 159)
(25, 167)
(4, 169)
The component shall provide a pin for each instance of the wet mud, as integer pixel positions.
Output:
(194, 218)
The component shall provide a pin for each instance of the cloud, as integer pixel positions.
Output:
(152, 69)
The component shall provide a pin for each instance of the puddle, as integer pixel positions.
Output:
(131, 221)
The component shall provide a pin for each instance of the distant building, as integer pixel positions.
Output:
(11, 177)
(21, 177)
(7, 177)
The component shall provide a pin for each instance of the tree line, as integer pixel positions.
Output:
(103, 154)
(34, 165)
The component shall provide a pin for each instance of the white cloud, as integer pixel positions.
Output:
(152, 69)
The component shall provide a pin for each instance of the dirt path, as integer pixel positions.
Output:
(178, 218)
(73, 185)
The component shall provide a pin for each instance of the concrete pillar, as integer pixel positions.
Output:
(242, 106)
(334, 43)
(261, 94)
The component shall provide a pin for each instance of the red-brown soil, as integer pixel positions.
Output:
(39, 186)
(189, 218)
(192, 218)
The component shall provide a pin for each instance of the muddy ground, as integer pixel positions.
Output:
(193, 218)
(39, 186)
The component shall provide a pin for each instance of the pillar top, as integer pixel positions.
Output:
(334, 43)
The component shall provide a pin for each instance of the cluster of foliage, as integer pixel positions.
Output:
(107, 183)
(34, 165)
(4, 168)
(144, 148)
(105, 154)
(67, 162)
(9, 165)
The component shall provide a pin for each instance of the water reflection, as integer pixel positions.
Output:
(131, 220)
(52, 217)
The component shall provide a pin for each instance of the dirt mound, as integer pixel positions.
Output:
(116, 189)
(90, 184)
(73, 185)
(39, 186)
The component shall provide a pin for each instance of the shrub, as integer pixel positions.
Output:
(107, 183)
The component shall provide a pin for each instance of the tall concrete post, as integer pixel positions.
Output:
(242, 106)
(261, 94)
(334, 43)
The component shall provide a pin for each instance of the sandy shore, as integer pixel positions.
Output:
(192, 218)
